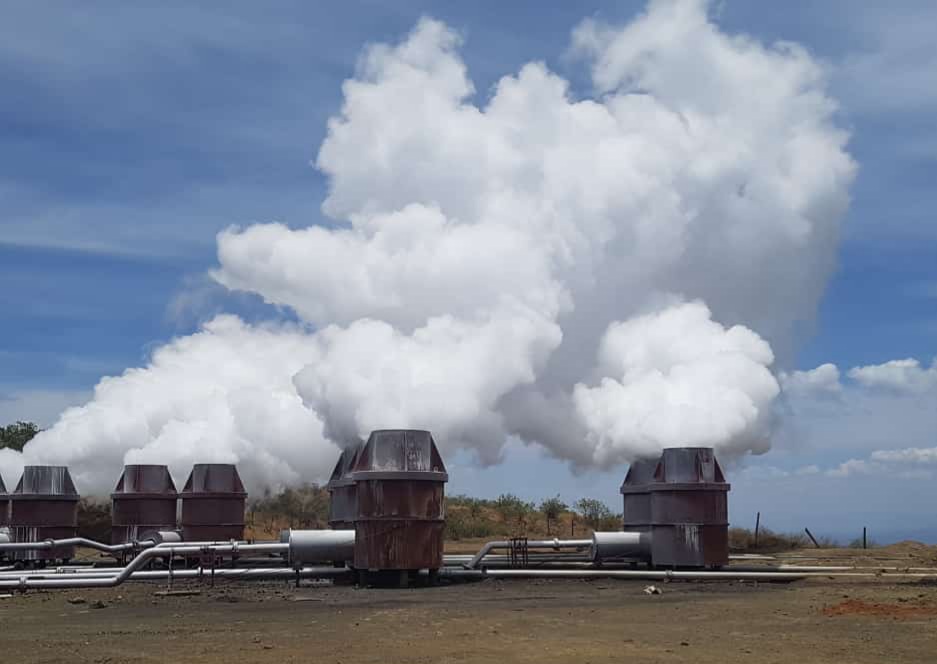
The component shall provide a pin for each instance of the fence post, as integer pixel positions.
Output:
(757, 525)
(864, 541)
(812, 538)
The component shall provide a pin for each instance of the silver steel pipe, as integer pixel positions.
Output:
(25, 583)
(490, 561)
(161, 539)
(77, 580)
(621, 544)
(492, 558)
(68, 574)
(790, 568)
(91, 570)
(649, 575)
(156, 539)
(661, 575)
(203, 572)
(554, 544)
(71, 541)
(316, 546)
(242, 573)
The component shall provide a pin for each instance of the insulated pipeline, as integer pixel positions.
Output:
(25, 583)
(154, 540)
(602, 545)
(201, 573)
(650, 575)
(45, 545)
(553, 544)
(662, 575)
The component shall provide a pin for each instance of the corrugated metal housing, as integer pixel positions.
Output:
(144, 500)
(400, 479)
(343, 498)
(4, 504)
(684, 505)
(44, 506)
(213, 502)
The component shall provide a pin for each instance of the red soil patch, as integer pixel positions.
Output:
(856, 607)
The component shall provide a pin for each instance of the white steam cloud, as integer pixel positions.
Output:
(677, 375)
(224, 394)
(586, 273)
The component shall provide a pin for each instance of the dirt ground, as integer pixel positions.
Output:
(816, 620)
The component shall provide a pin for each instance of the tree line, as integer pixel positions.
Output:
(510, 516)
(15, 436)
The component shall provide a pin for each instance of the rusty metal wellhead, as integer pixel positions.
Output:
(44, 506)
(399, 478)
(143, 501)
(213, 501)
(680, 500)
(343, 498)
(4, 504)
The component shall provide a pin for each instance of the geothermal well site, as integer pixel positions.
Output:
(379, 331)
(178, 579)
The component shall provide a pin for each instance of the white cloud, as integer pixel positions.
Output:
(824, 380)
(908, 455)
(890, 464)
(221, 395)
(867, 404)
(447, 376)
(851, 467)
(673, 378)
(580, 214)
(901, 375)
(861, 420)
(482, 253)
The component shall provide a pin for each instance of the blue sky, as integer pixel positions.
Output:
(129, 138)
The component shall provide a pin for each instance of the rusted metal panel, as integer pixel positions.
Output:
(399, 479)
(636, 501)
(343, 501)
(400, 451)
(683, 502)
(44, 506)
(213, 501)
(144, 500)
(690, 504)
(693, 465)
(690, 545)
(398, 545)
(4, 504)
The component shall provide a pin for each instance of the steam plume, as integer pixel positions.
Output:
(600, 276)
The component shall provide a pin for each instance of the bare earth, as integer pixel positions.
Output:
(817, 620)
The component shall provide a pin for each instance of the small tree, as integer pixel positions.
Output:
(593, 511)
(305, 506)
(15, 436)
(514, 509)
(552, 508)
